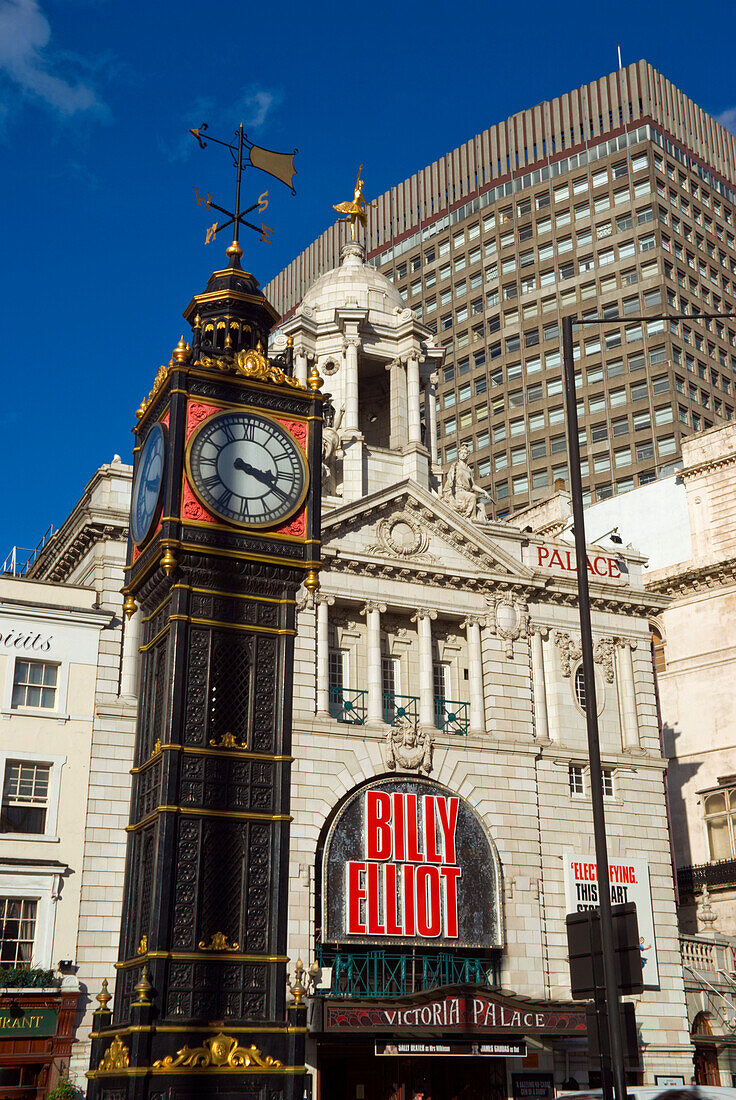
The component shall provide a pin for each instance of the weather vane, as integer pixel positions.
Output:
(245, 155)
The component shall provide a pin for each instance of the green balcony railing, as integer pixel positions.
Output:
(450, 715)
(386, 974)
(400, 706)
(348, 706)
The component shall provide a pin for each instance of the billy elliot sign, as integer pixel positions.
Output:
(406, 861)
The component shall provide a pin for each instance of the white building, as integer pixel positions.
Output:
(466, 631)
(439, 666)
(686, 525)
(50, 637)
(68, 711)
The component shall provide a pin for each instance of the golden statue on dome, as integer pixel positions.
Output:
(355, 210)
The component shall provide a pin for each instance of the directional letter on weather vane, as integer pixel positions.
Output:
(245, 155)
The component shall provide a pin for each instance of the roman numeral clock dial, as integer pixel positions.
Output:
(246, 469)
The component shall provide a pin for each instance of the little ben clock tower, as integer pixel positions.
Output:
(225, 526)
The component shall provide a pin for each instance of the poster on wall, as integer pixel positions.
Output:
(629, 882)
(406, 861)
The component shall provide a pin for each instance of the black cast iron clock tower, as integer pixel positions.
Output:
(225, 524)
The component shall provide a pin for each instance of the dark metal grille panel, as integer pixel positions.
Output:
(230, 685)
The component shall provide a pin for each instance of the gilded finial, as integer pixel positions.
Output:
(129, 607)
(143, 991)
(297, 987)
(182, 353)
(311, 582)
(315, 381)
(354, 210)
(197, 323)
(234, 250)
(104, 997)
(168, 562)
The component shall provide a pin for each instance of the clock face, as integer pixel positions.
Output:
(148, 484)
(247, 469)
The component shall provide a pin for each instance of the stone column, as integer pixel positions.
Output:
(397, 411)
(627, 695)
(477, 721)
(412, 397)
(323, 654)
(130, 670)
(539, 633)
(351, 345)
(374, 679)
(300, 364)
(430, 414)
(423, 618)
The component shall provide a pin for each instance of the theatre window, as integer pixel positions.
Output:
(720, 821)
(658, 650)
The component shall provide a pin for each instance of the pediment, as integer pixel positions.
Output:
(409, 530)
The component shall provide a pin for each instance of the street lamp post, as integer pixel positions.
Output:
(591, 713)
(612, 999)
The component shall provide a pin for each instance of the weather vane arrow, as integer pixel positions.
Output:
(245, 155)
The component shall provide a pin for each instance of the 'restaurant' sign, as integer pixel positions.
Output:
(457, 1012)
(406, 861)
(26, 1023)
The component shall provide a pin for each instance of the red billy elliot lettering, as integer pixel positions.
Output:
(407, 883)
(599, 565)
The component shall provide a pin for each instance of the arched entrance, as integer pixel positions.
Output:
(706, 1056)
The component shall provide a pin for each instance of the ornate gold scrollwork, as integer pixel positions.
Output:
(117, 1056)
(181, 354)
(218, 943)
(227, 741)
(142, 946)
(220, 1050)
(250, 363)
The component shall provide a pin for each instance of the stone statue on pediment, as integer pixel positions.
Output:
(460, 490)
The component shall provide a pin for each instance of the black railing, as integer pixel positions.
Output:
(721, 873)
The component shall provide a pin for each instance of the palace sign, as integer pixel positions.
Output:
(470, 1013)
(408, 862)
(606, 568)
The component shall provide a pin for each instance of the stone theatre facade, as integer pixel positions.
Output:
(440, 792)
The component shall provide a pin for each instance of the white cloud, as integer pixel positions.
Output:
(727, 118)
(254, 105)
(24, 35)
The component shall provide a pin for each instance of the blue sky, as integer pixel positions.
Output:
(103, 245)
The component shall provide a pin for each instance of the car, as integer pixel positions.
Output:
(651, 1092)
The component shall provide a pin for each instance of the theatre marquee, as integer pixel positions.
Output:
(406, 861)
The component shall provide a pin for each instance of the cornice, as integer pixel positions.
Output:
(690, 472)
(57, 564)
(699, 578)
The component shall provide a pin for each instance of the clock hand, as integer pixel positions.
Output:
(246, 467)
(262, 476)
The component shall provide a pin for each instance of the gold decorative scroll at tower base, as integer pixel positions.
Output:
(220, 1050)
